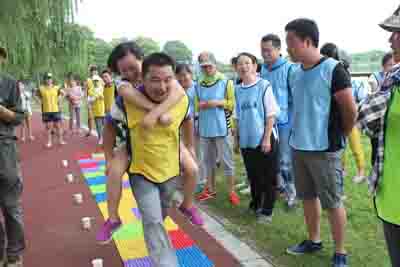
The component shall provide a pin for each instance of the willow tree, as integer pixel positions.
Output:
(40, 36)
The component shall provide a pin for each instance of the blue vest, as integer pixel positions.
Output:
(359, 91)
(191, 92)
(379, 76)
(278, 77)
(212, 121)
(250, 113)
(312, 97)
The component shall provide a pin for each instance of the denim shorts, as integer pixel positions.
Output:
(51, 116)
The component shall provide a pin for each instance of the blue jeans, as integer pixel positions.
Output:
(153, 200)
(286, 177)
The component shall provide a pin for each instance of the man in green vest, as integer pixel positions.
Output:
(379, 117)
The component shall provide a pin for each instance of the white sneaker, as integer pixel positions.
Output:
(245, 191)
(358, 179)
(291, 203)
(100, 142)
(264, 219)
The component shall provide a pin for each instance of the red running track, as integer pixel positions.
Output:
(53, 230)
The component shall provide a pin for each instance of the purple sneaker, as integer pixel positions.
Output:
(104, 235)
(193, 215)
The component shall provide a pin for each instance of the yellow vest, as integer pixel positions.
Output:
(98, 107)
(155, 152)
(49, 98)
(109, 97)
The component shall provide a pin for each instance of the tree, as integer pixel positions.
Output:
(116, 41)
(179, 51)
(99, 51)
(148, 45)
(39, 36)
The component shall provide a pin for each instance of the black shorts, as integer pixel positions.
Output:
(51, 117)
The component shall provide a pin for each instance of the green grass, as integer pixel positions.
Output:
(364, 237)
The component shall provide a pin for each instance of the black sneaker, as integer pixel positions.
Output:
(339, 260)
(307, 246)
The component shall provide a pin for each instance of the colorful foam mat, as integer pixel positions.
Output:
(129, 238)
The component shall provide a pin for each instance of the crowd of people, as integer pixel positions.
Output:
(289, 118)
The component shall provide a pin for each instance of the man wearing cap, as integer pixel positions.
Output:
(11, 115)
(215, 102)
(379, 117)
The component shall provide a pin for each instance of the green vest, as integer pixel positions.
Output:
(387, 200)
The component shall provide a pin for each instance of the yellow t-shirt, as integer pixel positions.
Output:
(98, 107)
(155, 152)
(49, 96)
(109, 97)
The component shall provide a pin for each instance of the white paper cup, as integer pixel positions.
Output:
(78, 198)
(65, 163)
(97, 263)
(70, 178)
(86, 223)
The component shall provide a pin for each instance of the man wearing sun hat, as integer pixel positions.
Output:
(379, 117)
(11, 115)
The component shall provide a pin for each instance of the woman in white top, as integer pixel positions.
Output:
(26, 97)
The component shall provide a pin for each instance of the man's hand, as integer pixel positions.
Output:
(149, 121)
(266, 145)
(203, 104)
(214, 103)
(8, 114)
(165, 119)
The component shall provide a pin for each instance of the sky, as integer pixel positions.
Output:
(228, 27)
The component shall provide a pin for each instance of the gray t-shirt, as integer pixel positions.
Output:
(10, 98)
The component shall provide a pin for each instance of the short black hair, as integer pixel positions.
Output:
(304, 28)
(70, 75)
(121, 51)
(330, 50)
(93, 68)
(388, 56)
(73, 76)
(157, 59)
(275, 40)
(105, 71)
(251, 56)
(234, 60)
(183, 67)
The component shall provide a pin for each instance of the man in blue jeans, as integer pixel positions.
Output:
(276, 70)
(11, 115)
(324, 112)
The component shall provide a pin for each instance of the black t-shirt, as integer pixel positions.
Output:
(341, 80)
